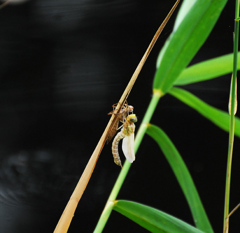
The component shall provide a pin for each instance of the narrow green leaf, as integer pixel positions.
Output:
(152, 219)
(185, 8)
(185, 41)
(218, 117)
(183, 176)
(209, 69)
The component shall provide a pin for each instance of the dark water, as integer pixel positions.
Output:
(63, 64)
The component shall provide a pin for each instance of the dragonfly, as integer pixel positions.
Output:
(127, 134)
(121, 117)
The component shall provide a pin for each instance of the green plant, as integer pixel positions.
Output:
(194, 23)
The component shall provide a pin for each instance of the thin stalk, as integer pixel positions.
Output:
(232, 111)
(68, 213)
(119, 182)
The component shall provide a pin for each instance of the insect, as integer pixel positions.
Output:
(127, 134)
(121, 116)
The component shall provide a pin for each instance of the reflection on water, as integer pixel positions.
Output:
(32, 184)
(25, 176)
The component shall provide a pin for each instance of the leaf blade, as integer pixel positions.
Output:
(184, 43)
(218, 117)
(152, 219)
(206, 70)
(183, 176)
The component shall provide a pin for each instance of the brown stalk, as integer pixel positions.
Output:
(68, 213)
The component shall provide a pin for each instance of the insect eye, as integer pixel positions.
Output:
(132, 118)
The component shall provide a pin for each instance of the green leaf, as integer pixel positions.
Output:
(183, 176)
(209, 69)
(185, 8)
(185, 41)
(218, 117)
(152, 219)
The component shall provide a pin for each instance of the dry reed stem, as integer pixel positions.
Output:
(68, 213)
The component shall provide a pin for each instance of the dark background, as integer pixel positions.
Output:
(63, 64)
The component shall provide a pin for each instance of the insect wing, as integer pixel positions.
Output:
(128, 147)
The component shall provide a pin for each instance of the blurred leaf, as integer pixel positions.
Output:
(152, 219)
(209, 69)
(183, 176)
(185, 41)
(184, 9)
(218, 117)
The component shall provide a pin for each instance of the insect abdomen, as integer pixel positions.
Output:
(115, 144)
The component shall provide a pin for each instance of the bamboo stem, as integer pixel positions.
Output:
(232, 110)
